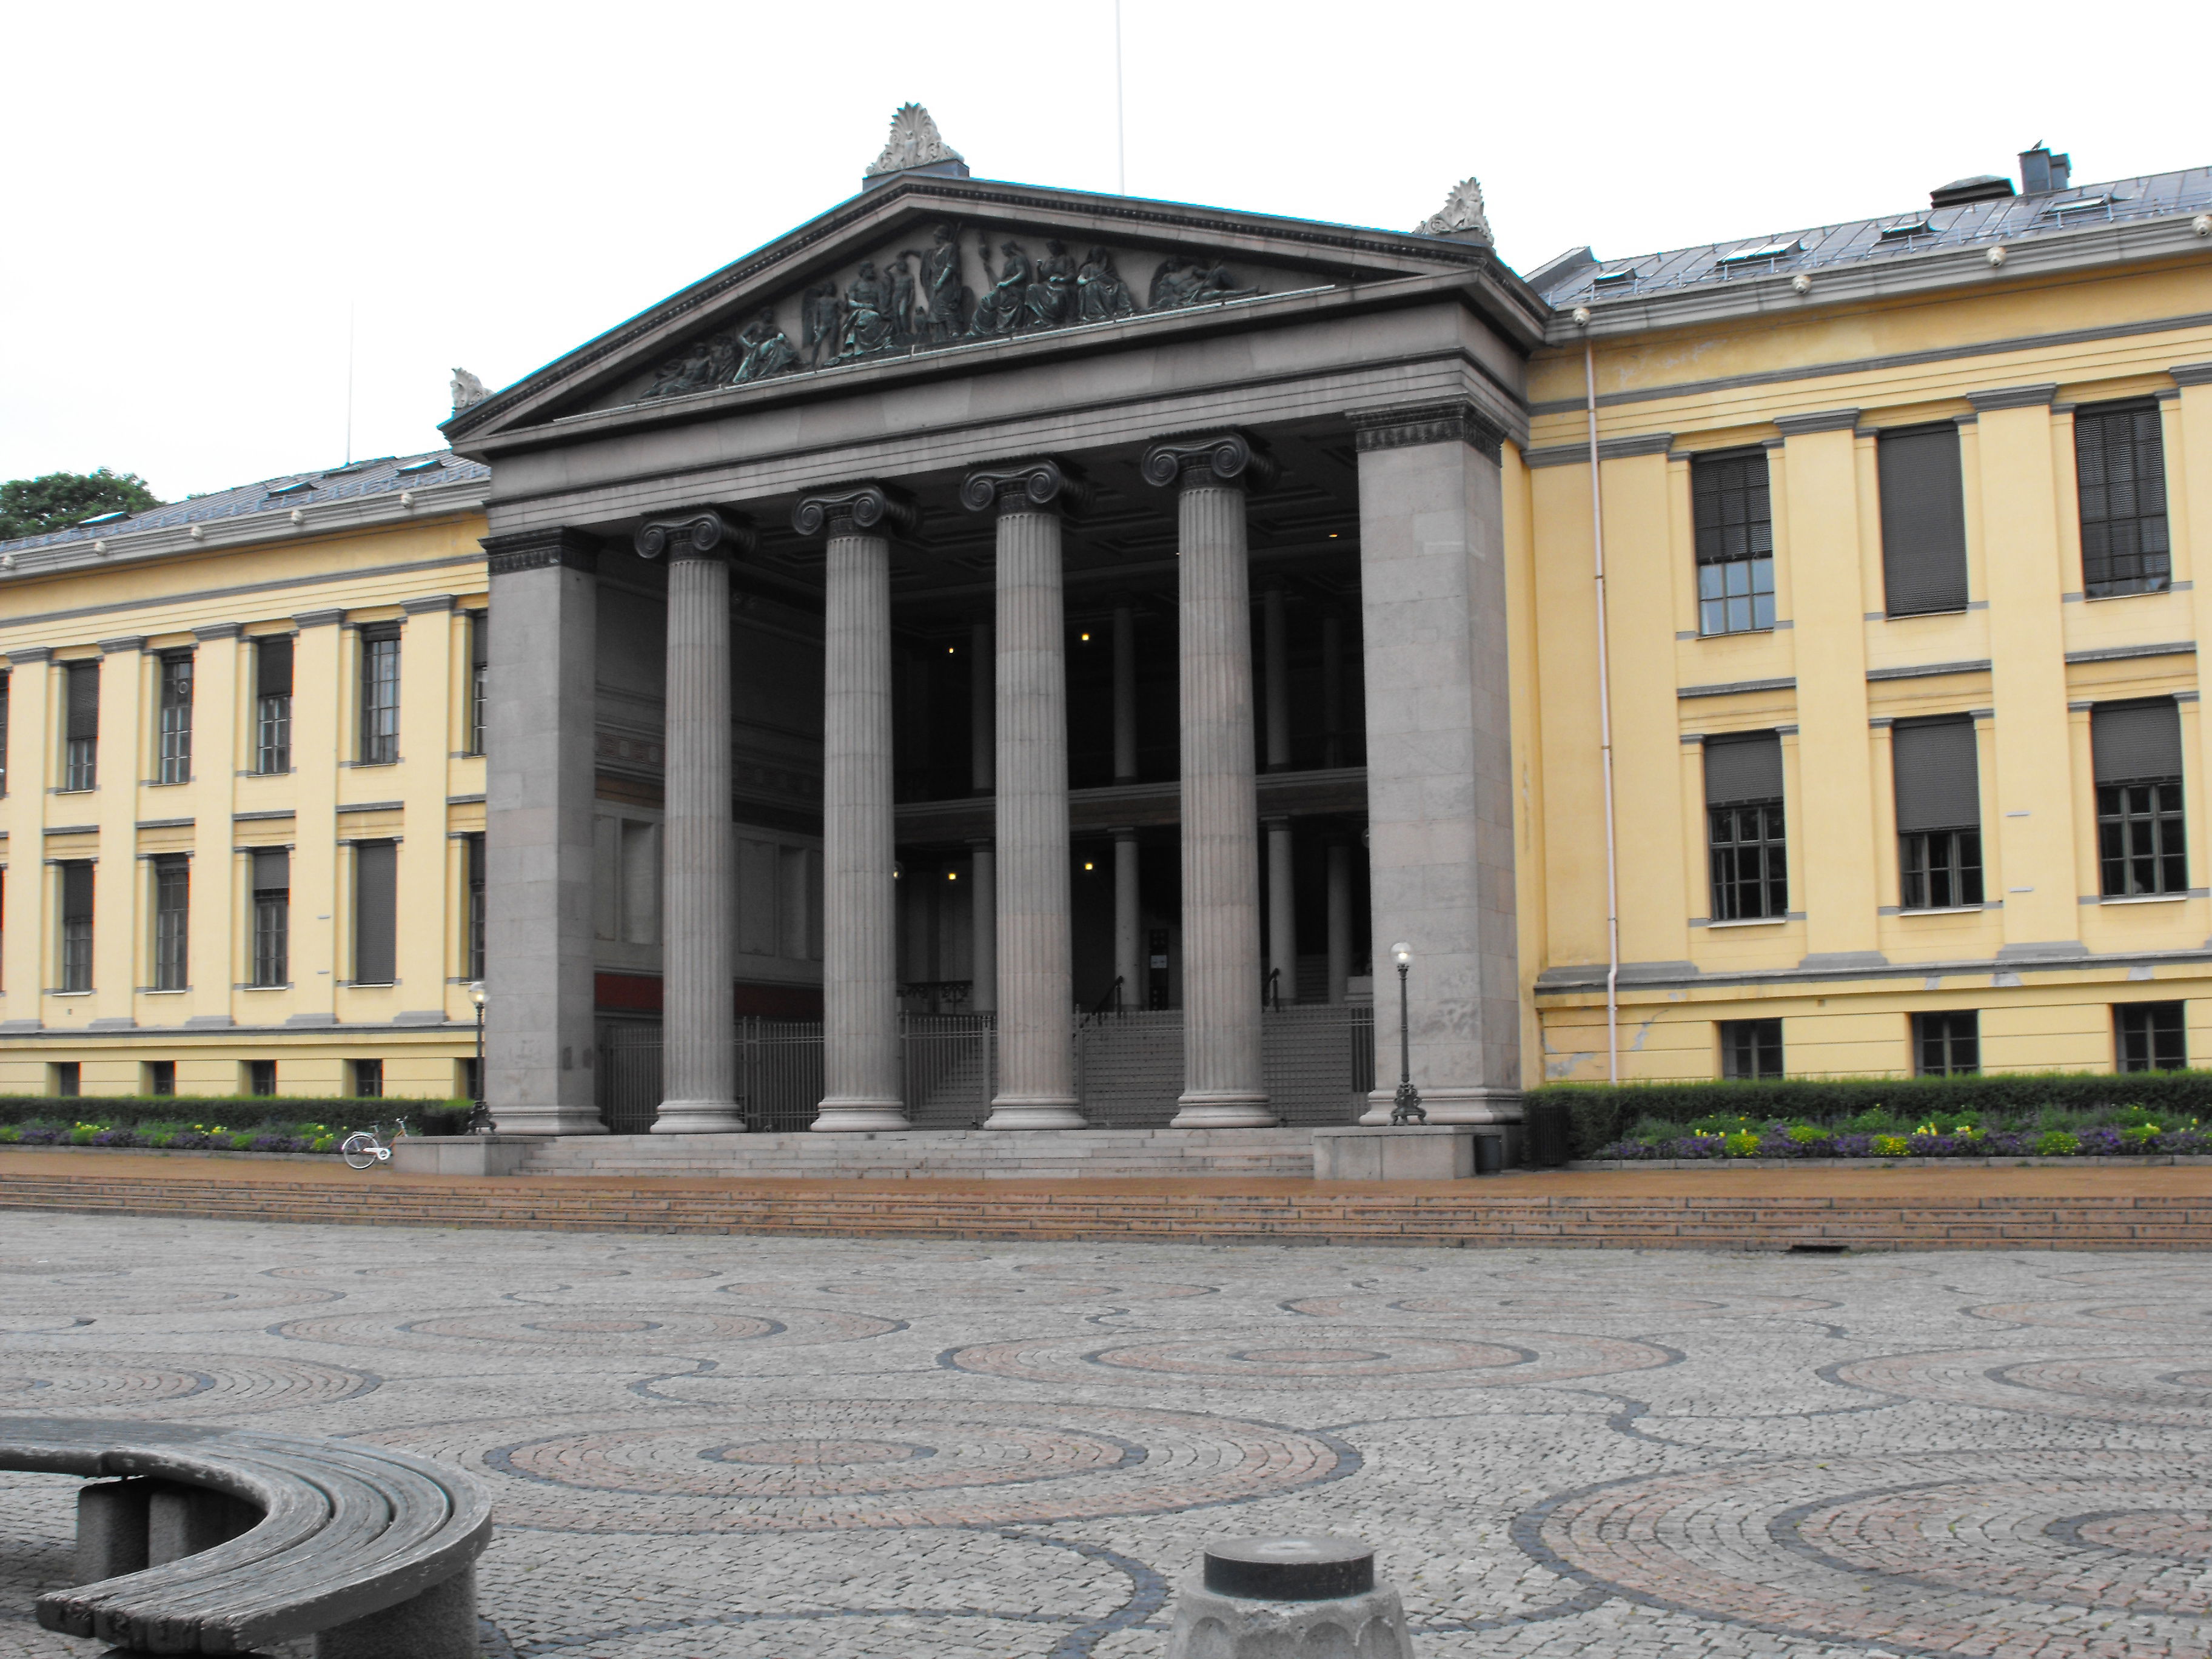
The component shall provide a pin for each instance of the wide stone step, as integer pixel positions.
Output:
(968, 1153)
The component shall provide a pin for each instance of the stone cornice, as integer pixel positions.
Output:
(426, 602)
(536, 550)
(1456, 422)
(306, 619)
(2014, 397)
(1826, 420)
(2191, 373)
(216, 631)
(1608, 449)
(116, 647)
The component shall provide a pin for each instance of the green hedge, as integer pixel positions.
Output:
(1601, 1113)
(424, 1117)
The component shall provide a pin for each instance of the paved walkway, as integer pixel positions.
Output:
(787, 1448)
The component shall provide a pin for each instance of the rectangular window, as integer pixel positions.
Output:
(472, 947)
(1938, 813)
(380, 697)
(80, 729)
(273, 703)
(261, 1077)
(2136, 749)
(1734, 542)
(172, 899)
(4, 680)
(479, 666)
(1751, 1048)
(368, 1076)
(69, 1078)
(1743, 813)
(176, 759)
(161, 1077)
(375, 908)
(2120, 458)
(1923, 520)
(272, 916)
(2149, 1036)
(76, 926)
(1946, 1045)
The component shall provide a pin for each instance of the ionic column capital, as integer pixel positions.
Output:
(704, 533)
(1207, 461)
(864, 508)
(1042, 485)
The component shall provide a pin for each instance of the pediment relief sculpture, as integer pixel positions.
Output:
(924, 299)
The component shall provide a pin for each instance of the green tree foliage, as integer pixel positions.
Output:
(33, 507)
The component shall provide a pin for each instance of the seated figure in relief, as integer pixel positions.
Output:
(867, 326)
(1101, 294)
(1180, 282)
(1001, 309)
(768, 349)
(1050, 301)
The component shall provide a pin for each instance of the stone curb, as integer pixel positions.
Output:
(174, 1152)
(2137, 1162)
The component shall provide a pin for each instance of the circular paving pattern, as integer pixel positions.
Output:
(819, 1466)
(1010, 1292)
(573, 1330)
(2171, 1389)
(2162, 1317)
(1551, 1307)
(58, 1385)
(1315, 1356)
(1947, 1552)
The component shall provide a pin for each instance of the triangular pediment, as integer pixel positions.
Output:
(926, 266)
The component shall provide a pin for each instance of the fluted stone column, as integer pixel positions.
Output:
(698, 1023)
(1282, 911)
(983, 779)
(1128, 928)
(1223, 1083)
(1037, 1053)
(861, 1074)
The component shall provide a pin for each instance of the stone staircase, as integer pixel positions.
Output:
(968, 1154)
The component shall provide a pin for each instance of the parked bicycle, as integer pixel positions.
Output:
(364, 1149)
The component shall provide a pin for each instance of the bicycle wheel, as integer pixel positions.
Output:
(361, 1151)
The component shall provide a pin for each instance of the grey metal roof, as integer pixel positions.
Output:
(1894, 236)
(391, 474)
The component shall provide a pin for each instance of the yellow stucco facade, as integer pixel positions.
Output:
(2046, 957)
(318, 576)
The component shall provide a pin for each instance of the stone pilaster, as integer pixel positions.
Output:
(1128, 919)
(1282, 912)
(1222, 1084)
(539, 1040)
(983, 919)
(1440, 846)
(699, 1072)
(1340, 919)
(862, 1085)
(1037, 1056)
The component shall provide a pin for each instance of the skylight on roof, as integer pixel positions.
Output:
(294, 488)
(105, 517)
(430, 465)
(1910, 228)
(1607, 278)
(1769, 251)
(2078, 203)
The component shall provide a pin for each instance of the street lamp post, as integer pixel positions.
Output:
(1405, 1107)
(480, 1122)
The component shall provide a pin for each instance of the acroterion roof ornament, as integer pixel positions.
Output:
(1460, 216)
(915, 142)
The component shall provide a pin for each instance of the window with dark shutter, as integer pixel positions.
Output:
(473, 944)
(2135, 753)
(1939, 814)
(1744, 824)
(375, 902)
(80, 731)
(2120, 460)
(76, 926)
(1923, 520)
(273, 703)
(5, 679)
(272, 915)
(173, 900)
(479, 675)
(1734, 525)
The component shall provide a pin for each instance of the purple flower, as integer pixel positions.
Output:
(2104, 1143)
(42, 1135)
(1853, 1145)
(2185, 1143)
(118, 1136)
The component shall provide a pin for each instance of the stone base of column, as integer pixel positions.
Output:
(548, 1120)
(1041, 1112)
(698, 1117)
(850, 1116)
(1475, 1103)
(1223, 1111)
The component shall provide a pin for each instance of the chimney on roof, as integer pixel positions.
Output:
(2041, 173)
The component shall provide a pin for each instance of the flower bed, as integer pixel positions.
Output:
(2130, 1132)
(271, 1137)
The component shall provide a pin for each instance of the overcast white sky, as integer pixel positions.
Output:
(198, 194)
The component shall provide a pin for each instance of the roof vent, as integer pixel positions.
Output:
(1982, 187)
(2041, 173)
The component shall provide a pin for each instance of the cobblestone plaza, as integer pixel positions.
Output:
(771, 1448)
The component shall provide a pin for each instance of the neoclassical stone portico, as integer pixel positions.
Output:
(1107, 612)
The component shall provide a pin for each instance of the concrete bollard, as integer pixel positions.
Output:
(1262, 1598)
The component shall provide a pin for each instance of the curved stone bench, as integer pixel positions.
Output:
(201, 1540)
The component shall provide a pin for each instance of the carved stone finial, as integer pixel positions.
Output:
(914, 143)
(1041, 485)
(1212, 459)
(1461, 215)
(468, 391)
(862, 507)
(705, 534)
